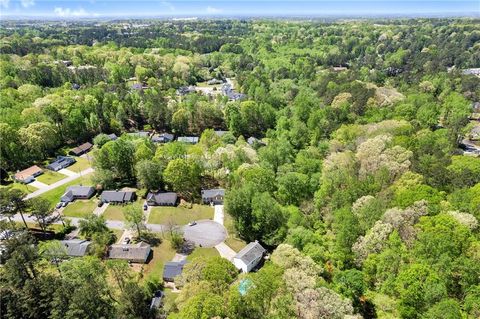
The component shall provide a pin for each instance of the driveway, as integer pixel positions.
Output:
(38, 184)
(67, 172)
(219, 215)
(225, 251)
(206, 233)
(100, 210)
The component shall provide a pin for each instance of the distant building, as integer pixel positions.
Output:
(139, 86)
(60, 163)
(339, 68)
(214, 196)
(112, 137)
(188, 139)
(118, 197)
(77, 192)
(172, 269)
(135, 253)
(473, 71)
(76, 247)
(162, 199)
(228, 91)
(184, 90)
(214, 81)
(162, 138)
(249, 257)
(253, 140)
(82, 149)
(75, 86)
(28, 175)
(220, 133)
(143, 134)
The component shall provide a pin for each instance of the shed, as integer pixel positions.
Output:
(162, 199)
(82, 149)
(135, 253)
(173, 269)
(249, 256)
(28, 175)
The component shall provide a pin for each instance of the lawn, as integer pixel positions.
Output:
(50, 177)
(203, 252)
(27, 189)
(161, 254)
(81, 165)
(233, 240)
(53, 196)
(114, 212)
(55, 227)
(80, 208)
(179, 215)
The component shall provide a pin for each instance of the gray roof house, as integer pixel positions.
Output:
(162, 138)
(60, 163)
(140, 134)
(249, 256)
(214, 196)
(77, 192)
(76, 247)
(220, 133)
(118, 197)
(112, 136)
(135, 253)
(173, 269)
(162, 199)
(188, 139)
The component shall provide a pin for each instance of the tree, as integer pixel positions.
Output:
(40, 138)
(149, 174)
(53, 251)
(40, 208)
(134, 216)
(92, 225)
(15, 204)
(183, 176)
(269, 219)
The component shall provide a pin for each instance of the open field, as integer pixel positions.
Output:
(49, 177)
(179, 215)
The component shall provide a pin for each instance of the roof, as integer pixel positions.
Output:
(61, 162)
(250, 252)
(76, 247)
(172, 269)
(82, 148)
(140, 134)
(209, 193)
(32, 170)
(80, 191)
(162, 138)
(117, 196)
(112, 136)
(132, 252)
(164, 198)
(188, 139)
(221, 133)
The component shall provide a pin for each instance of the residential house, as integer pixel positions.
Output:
(339, 68)
(77, 192)
(28, 175)
(118, 197)
(249, 257)
(173, 269)
(60, 163)
(162, 199)
(82, 149)
(472, 71)
(142, 134)
(77, 247)
(188, 139)
(112, 137)
(253, 141)
(162, 138)
(214, 196)
(214, 81)
(220, 133)
(184, 90)
(229, 92)
(135, 253)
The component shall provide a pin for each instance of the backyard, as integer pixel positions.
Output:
(80, 208)
(50, 177)
(161, 254)
(179, 215)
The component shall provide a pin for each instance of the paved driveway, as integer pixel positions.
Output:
(67, 172)
(205, 233)
(219, 215)
(225, 251)
(100, 210)
(38, 184)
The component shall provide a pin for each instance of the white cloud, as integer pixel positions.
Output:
(4, 3)
(27, 3)
(213, 10)
(167, 4)
(69, 13)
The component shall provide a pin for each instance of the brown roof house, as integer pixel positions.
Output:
(135, 253)
(82, 149)
(28, 175)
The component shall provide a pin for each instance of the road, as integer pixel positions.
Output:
(64, 181)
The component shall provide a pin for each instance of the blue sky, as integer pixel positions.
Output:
(231, 8)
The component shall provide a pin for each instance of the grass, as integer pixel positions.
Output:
(118, 233)
(114, 212)
(27, 189)
(50, 177)
(55, 227)
(81, 165)
(179, 215)
(53, 196)
(233, 240)
(203, 252)
(161, 254)
(80, 208)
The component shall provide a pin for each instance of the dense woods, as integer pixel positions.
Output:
(355, 181)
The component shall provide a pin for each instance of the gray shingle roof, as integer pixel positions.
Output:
(117, 196)
(76, 247)
(250, 252)
(61, 162)
(172, 269)
(112, 136)
(133, 252)
(210, 193)
(81, 191)
(188, 139)
(162, 198)
(162, 138)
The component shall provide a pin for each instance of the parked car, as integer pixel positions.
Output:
(64, 204)
(59, 205)
(100, 204)
(192, 223)
(145, 206)
(126, 241)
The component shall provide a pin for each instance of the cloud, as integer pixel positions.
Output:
(27, 3)
(69, 13)
(167, 4)
(213, 10)
(4, 3)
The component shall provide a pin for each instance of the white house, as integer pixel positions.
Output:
(249, 256)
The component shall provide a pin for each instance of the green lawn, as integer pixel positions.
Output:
(27, 189)
(80, 165)
(80, 208)
(161, 254)
(203, 252)
(49, 177)
(114, 212)
(179, 215)
(53, 196)
(55, 227)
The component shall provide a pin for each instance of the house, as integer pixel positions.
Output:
(76, 247)
(339, 68)
(28, 175)
(139, 86)
(77, 192)
(112, 137)
(214, 196)
(184, 90)
(118, 197)
(249, 256)
(82, 149)
(228, 91)
(162, 199)
(474, 134)
(214, 81)
(162, 138)
(60, 163)
(473, 71)
(135, 253)
(143, 134)
(75, 86)
(188, 139)
(173, 269)
(221, 133)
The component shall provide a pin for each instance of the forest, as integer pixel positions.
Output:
(344, 160)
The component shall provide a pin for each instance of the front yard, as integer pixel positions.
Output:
(179, 215)
(49, 177)
(80, 165)
(80, 208)
(53, 196)
(114, 212)
(26, 188)
(203, 252)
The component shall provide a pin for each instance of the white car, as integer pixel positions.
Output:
(126, 241)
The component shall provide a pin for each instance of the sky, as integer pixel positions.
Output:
(74, 9)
